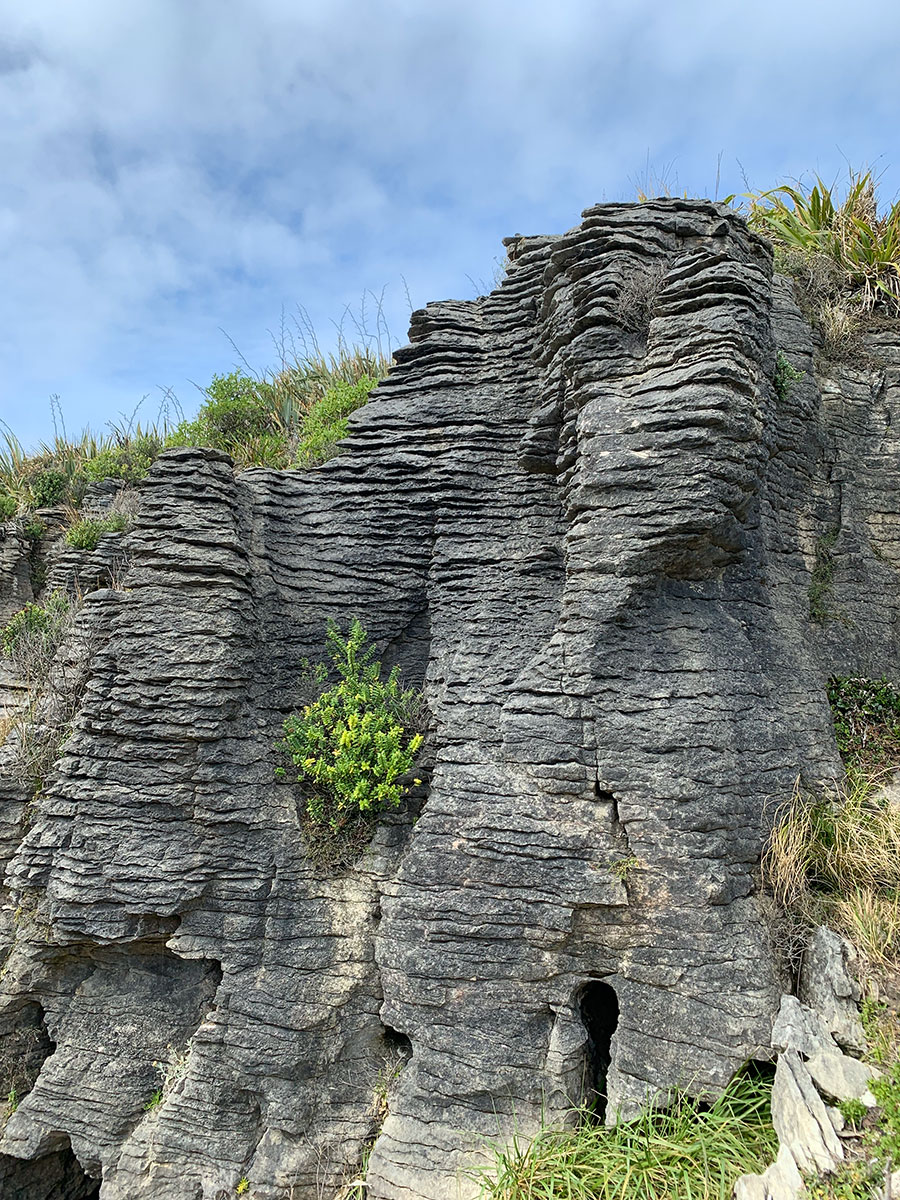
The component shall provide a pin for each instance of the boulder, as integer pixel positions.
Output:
(801, 1119)
(798, 1027)
(827, 985)
(841, 1077)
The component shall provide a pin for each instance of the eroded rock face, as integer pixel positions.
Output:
(586, 525)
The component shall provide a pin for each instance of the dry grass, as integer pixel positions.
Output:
(835, 858)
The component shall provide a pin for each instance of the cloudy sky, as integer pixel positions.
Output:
(173, 169)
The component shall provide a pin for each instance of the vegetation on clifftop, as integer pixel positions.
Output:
(293, 416)
(844, 253)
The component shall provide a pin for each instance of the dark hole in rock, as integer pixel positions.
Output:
(397, 1044)
(599, 1008)
(56, 1176)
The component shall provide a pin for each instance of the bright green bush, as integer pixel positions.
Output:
(352, 747)
(239, 417)
(325, 422)
(85, 534)
(8, 506)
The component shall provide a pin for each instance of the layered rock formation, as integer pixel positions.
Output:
(582, 517)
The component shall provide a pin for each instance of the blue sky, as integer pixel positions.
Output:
(172, 169)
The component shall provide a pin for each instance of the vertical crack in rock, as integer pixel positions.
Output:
(578, 513)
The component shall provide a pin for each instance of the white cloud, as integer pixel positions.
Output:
(170, 168)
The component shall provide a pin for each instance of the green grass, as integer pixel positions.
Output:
(687, 1150)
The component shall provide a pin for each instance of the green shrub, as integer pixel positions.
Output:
(129, 459)
(34, 529)
(30, 639)
(48, 488)
(86, 533)
(681, 1151)
(325, 423)
(866, 719)
(8, 506)
(352, 747)
(237, 416)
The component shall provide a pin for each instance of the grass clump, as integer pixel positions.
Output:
(686, 1150)
(834, 859)
(86, 533)
(843, 253)
(353, 746)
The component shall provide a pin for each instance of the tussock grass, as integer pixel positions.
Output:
(834, 858)
(687, 1151)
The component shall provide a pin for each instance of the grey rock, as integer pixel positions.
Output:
(798, 1027)
(827, 985)
(780, 1181)
(839, 1076)
(801, 1119)
(588, 531)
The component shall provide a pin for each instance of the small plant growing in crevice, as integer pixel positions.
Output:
(156, 1099)
(623, 867)
(243, 1186)
(355, 745)
(53, 665)
(853, 1111)
(822, 579)
(786, 375)
(636, 298)
(32, 636)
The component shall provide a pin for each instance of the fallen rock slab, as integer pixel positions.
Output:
(801, 1119)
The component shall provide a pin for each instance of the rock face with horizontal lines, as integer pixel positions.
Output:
(581, 516)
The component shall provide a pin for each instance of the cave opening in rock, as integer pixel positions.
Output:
(396, 1044)
(599, 1008)
(55, 1176)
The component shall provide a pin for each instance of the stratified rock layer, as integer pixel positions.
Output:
(587, 525)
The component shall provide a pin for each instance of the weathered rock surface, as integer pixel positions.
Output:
(590, 539)
(827, 985)
(801, 1119)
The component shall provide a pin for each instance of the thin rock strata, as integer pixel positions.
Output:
(578, 513)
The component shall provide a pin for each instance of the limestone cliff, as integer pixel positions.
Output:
(578, 513)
